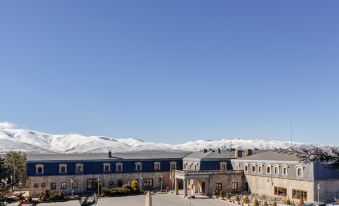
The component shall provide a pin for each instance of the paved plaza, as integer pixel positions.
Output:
(158, 200)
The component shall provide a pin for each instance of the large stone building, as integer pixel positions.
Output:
(78, 173)
(280, 173)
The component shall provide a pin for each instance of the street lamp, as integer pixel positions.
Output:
(161, 182)
(140, 185)
(72, 187)
(318, 186)
(98, 185)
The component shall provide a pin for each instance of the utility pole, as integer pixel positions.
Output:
(291, 135)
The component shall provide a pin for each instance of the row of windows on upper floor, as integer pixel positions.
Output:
(195, 166)
(274, 169)
(79, 167)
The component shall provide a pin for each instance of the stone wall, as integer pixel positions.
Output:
(329, 189)
(82, 181)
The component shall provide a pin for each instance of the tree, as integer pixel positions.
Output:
(309, 154)
(16, 163)
(4, 173)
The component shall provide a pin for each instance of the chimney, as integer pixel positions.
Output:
(248, 152)
(205, 150)
(109, 154)
(238, 153)
(219, 151)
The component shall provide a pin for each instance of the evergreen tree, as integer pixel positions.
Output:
(16, 163)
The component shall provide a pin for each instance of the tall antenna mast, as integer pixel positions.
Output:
(291, 124)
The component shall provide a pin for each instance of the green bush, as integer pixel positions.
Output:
(120, 191)
(237, 199)
(51, 196)
(256, 203)
(246, 200)
(274, 204)
(288, 202)
(221, 195)
(228, 196)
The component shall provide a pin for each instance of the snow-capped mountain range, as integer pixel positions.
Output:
(13, 138)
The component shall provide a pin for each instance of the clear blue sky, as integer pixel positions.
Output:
(172, 71)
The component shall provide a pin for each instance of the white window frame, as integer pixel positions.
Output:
(283, 167)
(156, 164)
(255, 168)
(136, 166)
(61, 166)
(117, 167)
(42, 169)
(297, 167)
(79, 165)
(268, 166)
(104, 165)
(173, 164)
(246, 168)
(276, 169)
(223, 166)
(260, 168)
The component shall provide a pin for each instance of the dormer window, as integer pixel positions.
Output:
(276, 169)
(284, 170)
(118, 167)
(237, 166)
(268, 169)
(253, 168)
(79, 168)
(223, 166)
(260, 168)
(173, 165)
(107, 167)
(246, 168)
(299, 171)
(39, 169)
(157, 166)
(62, 168)
(138, 166)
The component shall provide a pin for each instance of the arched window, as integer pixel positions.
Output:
(223, 166)
(246, 167)
(62, 168)
(284, 170)
(268, 169)
(299, 171)
(276, 169)
(253, 168)
(39, 169)
(259, 168)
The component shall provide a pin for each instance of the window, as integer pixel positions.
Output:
(299, 194)
(173, 165)
(111, 183)
(276, 170)
(107, 167)
(75, 184)
(253, 168)
(284, 170)
(64, 185)
(299, 171)
(218, 186)
(36, 185)
(235, 186)
(53, 186)
(280, 191)
(62, 168)
(90, 184)
(138, 166)
(268, 169)
(39, 169)
(223, 166)
(148, 182)
(118, 167)
(79, 168)
(260, 169)
(43, 184)
(157, 166)
(246, 168)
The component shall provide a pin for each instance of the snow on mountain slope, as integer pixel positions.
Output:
(12, 138)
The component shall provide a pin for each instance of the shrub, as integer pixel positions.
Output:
(301, 202)
(288, 202)
(256, 203)
(246, 200)
(265, 203)
(228, 196)
(274, 204)
(221, 195)
(126, 190)
(237, 199)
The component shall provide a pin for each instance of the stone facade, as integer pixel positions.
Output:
(38, 184)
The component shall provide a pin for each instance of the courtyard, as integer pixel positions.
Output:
(139, 200)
